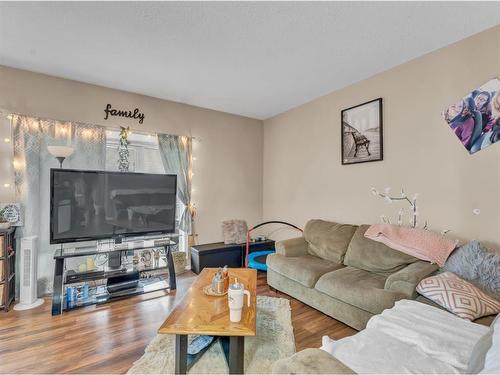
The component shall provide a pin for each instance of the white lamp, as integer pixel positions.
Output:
(60, 152)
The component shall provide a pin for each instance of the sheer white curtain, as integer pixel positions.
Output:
(32, 164)
(176, 155)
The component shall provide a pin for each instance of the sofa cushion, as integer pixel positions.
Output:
(328, 240)
(359, 288)
(305, 269)
(373, 256)
(406, 279)
(479, 352)
(492, 360)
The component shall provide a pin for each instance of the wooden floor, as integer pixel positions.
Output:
(109, 338)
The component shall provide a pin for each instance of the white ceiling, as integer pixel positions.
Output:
(255, 59)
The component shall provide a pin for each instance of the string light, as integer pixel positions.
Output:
(7, 140)
(87, 133)
(18, 164)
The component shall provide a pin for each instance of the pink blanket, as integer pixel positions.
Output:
(420, 243)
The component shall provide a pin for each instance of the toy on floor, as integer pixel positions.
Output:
(257, 259)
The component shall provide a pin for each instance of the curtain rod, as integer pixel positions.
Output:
(8, 113)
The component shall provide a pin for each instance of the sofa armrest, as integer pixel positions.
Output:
(311, 361)
(406, 280)
(294, 247)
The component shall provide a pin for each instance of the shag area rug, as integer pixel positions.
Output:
(274, 340)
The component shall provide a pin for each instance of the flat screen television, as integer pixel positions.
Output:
(91, 205)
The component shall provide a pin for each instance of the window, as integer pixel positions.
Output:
(144, 157)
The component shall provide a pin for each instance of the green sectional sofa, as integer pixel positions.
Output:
(338, 271)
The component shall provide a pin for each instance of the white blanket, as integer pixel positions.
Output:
(412, 337)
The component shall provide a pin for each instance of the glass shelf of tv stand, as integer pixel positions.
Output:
(99, 295)
(104, 272)
(82, 252)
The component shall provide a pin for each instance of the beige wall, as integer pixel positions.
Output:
(304, 178)
(227, 179)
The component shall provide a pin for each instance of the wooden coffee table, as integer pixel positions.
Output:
(199, 314)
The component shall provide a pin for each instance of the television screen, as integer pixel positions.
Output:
(89, 205)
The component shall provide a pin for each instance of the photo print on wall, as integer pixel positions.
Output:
(475, 119)
(362, 137)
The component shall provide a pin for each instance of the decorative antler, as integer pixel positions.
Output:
(413, 214)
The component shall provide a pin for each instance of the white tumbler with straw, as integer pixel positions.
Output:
(235, 299)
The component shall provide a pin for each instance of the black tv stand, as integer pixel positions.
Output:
(62, 278)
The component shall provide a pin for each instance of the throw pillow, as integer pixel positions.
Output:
(475, 263)
(458, 296)
(234, 231)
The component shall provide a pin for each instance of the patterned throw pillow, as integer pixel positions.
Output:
(458, 296)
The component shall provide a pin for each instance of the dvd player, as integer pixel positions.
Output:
(74, 277)
(123, 282)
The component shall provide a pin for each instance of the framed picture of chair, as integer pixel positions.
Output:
(362, 136)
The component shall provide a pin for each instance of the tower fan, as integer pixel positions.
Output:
(28, 297)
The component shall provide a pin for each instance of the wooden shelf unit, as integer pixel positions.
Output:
(7, 267)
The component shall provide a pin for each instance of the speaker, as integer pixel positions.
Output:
(115, 259)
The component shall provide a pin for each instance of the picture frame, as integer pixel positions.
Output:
(362, 133)
(12, 213)
(475, 118)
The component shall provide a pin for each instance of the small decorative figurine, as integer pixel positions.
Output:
(157, 257)
(135, 259)
(146, 258)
